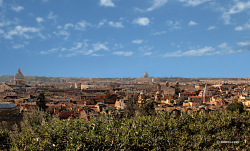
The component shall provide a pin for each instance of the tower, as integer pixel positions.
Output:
(19, 78)
(206, 98)
(158, 96)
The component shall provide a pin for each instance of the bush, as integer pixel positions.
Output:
(160, 132)
(147, 109)
(235, 106)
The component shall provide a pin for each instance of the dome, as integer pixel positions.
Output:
(19, 74)
(158, 92)
(7, 105)
(142, 93)
(145, 75)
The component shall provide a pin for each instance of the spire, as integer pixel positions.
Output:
(19, 69)
(205, 90)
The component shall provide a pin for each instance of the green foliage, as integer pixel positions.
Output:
(160, 132)
(235, 106)
(33, 118)
(174, 87)
(130, 109)
(4, 136)
(147, 109)
(41, 103)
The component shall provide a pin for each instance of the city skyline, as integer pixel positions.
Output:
(118, 38)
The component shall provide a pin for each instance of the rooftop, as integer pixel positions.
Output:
(7, 105)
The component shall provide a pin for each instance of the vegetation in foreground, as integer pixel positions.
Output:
(157, 132)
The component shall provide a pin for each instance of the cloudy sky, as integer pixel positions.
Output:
(125, 38)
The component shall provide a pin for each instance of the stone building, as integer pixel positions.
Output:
(19, 78)
(10, 113)
(145, 75)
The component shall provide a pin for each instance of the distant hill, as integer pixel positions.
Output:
(10, 78)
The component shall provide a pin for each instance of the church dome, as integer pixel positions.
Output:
(142, 92)
(158, 92)
(7, 105)
(19, 74)
(145, 75)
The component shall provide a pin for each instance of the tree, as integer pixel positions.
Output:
(147, 109)
(130, 109)
(41, 103)
(235, 106)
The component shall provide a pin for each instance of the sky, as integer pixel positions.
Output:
(125, 38)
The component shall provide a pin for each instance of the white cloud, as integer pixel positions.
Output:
(97, 55)
(145, 48)
(159, 33)
(193, 2)
(99, 46)
(62, 33)
(198, 52)
(148, 53)
(211, 27)
(206, 51)
(244, 27)
(155, 4)
(82, 25)
(21, 31)
(68, 25)
(87, 52)
(39, 19)
(63, 49)
(141, 21)
(137, 41)
(116, 24)
(118, 46)
(239, 28)
(192, 23)
(107, 3)
(6, 22)
(78, 46)
(1, 3)
(173, 25)
(242, 44)
(49, 51)
(17, 46)
(236, 8)
(17, 8)
(70, 55)
(224, 46)
(101, 23)
(122, 53)
(51, 16)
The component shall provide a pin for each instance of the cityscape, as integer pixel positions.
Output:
(88, 99)
(124, 75)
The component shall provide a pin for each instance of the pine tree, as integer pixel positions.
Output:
(41, 103)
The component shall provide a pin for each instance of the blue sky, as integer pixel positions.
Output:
(125, 38)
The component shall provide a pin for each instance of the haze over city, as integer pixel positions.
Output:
(125, 38)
